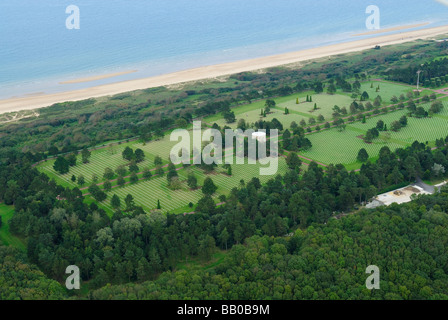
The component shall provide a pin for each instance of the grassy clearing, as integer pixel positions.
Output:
(305, 110)
(387, 90)
(332, 146)
(325, 103)
(444, 113)
(147, 193)
(440, 58)
(254, 115)
(434, 181)
(425, 129)
(111, 157)
(6, 238)
(253, 110)
(196, 264)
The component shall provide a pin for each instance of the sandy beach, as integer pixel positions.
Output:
(38, 101)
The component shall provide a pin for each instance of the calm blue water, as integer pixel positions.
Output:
(160, 36)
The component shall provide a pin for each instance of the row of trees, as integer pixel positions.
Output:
(137, 156)
(296, 141)
(433, 73)
(62, 164)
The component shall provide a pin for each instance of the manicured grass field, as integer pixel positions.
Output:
(325, 103)
(146, 193)
(254, 115)
(305, 110)
(251, 112)
(444, 113)
(387, 90)
(424, 129)
(332, 146)
(6, 238)
(110, 157)
(239, 172)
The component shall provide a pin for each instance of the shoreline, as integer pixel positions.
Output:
(413, 26)
(214, 71)
(98, 77)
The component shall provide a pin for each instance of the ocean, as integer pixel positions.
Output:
(37, 51)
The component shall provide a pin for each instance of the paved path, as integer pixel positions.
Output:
(442, 91)
(424, 186)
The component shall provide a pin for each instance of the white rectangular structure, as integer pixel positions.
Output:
(260, 136)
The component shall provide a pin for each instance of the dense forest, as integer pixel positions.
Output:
(20, 280)
(408, 243)
(432, 74)
(323, 258)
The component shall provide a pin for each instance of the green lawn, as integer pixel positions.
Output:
(6, 238)
(251, 112)
(195, 263)
(425, 129)
(146, 193)
(324, 102)
(440, 58)
(332, 146)
(304, 110)
(110, 156)
(444, 113)
(387, 90)
(254, 115)
(434, 181)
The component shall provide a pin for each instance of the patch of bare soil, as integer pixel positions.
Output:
(412, 189)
